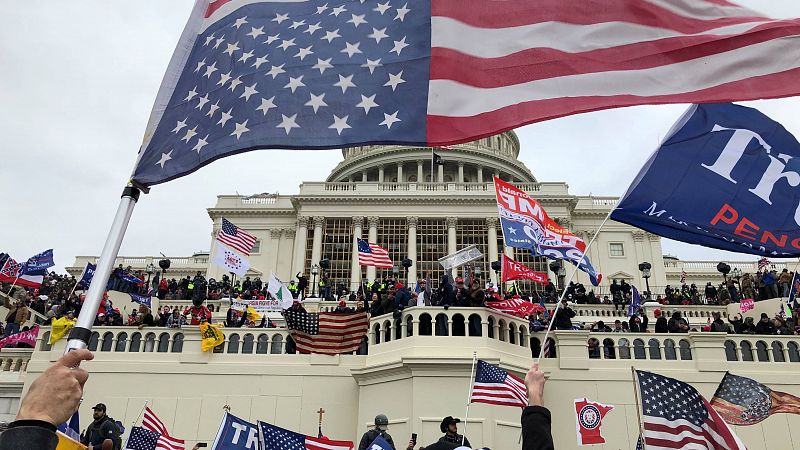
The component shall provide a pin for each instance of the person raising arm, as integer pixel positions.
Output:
(536, 433)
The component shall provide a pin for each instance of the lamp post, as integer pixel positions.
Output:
(560, 272)
(407, 263)
(497, 266)
(645, 269)
(737, 273)
(395, 272)
(724, 269)
(150, 269)
(314, 273)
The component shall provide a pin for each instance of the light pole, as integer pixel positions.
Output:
(395, 273)
(724, 269)
(737, 273)
(497, 266)
(645, 269)
(407, 263)
(560, 272)
(314, 273)
(150, 269)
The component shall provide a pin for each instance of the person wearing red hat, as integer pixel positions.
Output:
(661, 322)
(402, 297)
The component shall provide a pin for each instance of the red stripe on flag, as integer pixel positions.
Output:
(215, 5)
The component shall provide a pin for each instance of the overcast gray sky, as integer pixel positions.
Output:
(79, 78)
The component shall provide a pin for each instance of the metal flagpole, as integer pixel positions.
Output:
(432, 163)
(638, 406)
(571, 277)
(12, 286)
(471, 386)
(82, 331)
(138, 418)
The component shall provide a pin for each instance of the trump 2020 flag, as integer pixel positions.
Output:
(231, 261)
(37, 264)
(527, 225)
(87, 275)
(726, 177)
(251, 74)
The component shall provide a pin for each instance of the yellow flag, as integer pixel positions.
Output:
(252, 314)
(66, 443)
(60, 329)
(212, 336)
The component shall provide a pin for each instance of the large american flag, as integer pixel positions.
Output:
(277, 438)
(151, 422)
(495, 386)
(676, 416)
(233, 236)
(744, 401)
(253, 74)
(327, 333)
(373, 255)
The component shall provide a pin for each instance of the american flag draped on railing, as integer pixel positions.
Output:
(251, 74)
(327, 333)
(689, 423)
(495, 386)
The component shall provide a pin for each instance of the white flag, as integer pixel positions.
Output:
(228, 259)
(280, 291)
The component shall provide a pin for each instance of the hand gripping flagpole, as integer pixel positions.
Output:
(82, 331)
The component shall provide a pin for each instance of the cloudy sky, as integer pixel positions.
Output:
(78, 81)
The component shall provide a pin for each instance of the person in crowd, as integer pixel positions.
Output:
(736, 323)
(423, 293)
(717, 325)
(781, 327)
(144, 318)
(600, 327)
(101, 429)
(449, 427)
(677, 324)
(617, 327)
(342, 308)
(381, 424)
(446, 293)
(293, 289)
(175, 320)
(17, 312)
(302, 284)
(784, 279)
(749, 326)
(661, 322)
(50, 401)
(402, 297)
(764, 325)
(198, 313)
(564, 315)
(536, 421)
(163, 316)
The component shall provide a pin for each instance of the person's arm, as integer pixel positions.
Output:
(536, 434)
(51, 400)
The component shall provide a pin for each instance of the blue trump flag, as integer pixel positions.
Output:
(236, 434)
(636, 302)
(725, 177)
(38, 264)
(379, 444)
(145, 300)
(88, 274)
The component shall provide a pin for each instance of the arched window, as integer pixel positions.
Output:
(491, 327)
(503, 330)
(136, 342)
(412, 178)
(376, 330)
(608, 349)
(363, 348)
(512, 333)
(247, 344)
(777, 352)
(122, 340)
(655, 349)
(761, 351)
(108, 342)
(669, 350)
(277, 345)
(686, 350)
(93, 341)
(624, 349)
(458, 325)
(387, 331)
(177, 343)
(550, 348)
(233, 343)
(730, 351)
(794, 351)
(442, 325)
(262, 348)
(163, 343)
(425, 326)
(149, 342)
(409, 325)
(594, 348)
(536, 347)
(638, 349)
(747, 351)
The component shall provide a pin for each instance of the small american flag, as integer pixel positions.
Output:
(763, 262)
(277, 438)
(141, 439)
(152, 423)
(327, 333)
(683, 277)
(675, 415)
(495, 386)
(235, 237)
(373, 255)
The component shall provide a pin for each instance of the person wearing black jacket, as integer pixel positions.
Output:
(51, 400)
(101, 429)
(661, 322)
(536, 420)
(563, 316)
(302, 284)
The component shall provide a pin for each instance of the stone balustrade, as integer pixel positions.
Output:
(14, 361)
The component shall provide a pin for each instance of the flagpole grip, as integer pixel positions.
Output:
(82, 331)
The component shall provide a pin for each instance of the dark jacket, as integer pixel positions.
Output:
(31, 437)
(765, 327)
(536, 429)
(562, 319)
(370, 436)
(401, 299)
(661, 325)
(440, 445)
(455, 439)
(100, 430)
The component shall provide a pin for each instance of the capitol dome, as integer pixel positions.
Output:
(471, 162)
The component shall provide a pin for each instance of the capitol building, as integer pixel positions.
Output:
(416, 376)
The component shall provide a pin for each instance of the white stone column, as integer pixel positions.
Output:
(452, 244)
(355, 267)
(284, 269)
(373, 236)
(491, 235)
(299, 259)
(364, 176)
(411, 223)
(274, 247)
(480, 174)
(380, 174)
(420, 171)
(461, 171)
(400, 172)
(440, 175)
(316, 247)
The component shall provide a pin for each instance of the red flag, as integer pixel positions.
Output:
(588, 419)
(513, 270)
(516, 307)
